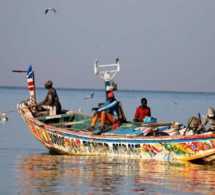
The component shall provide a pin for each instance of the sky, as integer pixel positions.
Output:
(163, 45)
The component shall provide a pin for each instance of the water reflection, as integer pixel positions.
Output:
(55, 174)
(178, 177)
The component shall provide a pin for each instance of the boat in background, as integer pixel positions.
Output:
(67, 132)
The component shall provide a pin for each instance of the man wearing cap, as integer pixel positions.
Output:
(106, 112)
(209, 118)
(51, 99)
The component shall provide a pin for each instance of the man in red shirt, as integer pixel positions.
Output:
(142, 111)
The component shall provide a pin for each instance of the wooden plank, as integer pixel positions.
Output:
(53, 117)
(68, 123)
(150, 124)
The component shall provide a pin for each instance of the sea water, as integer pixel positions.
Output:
(27, 167)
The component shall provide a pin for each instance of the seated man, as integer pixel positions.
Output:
(193, 124)
(209, 118)
(51, 99)
(106, 112)
(142, 111)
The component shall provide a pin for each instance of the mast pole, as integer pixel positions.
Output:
(106, 72)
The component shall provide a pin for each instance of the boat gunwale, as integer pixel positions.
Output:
(121, 137)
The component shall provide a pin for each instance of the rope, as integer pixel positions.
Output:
(8, 111)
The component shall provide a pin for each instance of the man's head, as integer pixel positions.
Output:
(210, 112)
(111, 96)
(48, 84)
(144, 101)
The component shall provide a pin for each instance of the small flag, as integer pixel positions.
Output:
(31, 87)
(30, 79)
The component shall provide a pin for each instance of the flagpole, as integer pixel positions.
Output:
(31, 85)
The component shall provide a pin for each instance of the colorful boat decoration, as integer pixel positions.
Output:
(67, 132)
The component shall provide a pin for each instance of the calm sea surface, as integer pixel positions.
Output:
(26, 167)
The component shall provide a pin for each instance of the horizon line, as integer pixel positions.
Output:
(99, 89)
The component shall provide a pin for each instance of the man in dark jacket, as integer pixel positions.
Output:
(51, 99)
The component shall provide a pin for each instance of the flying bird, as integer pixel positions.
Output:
(174, 103)
(50, 9)
(89, 96)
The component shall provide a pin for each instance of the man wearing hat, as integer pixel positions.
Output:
(106, 112)
(209, 118)
(51, 99)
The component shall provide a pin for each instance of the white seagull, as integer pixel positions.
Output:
(89, 96)
(50, 9)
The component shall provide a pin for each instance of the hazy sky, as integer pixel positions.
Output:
(162, 45)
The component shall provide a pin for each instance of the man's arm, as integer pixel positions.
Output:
(45, 100)
(136, 116)
(108, 106)
(202, 125)
(149, 111)
(205, 121)
(49, 100)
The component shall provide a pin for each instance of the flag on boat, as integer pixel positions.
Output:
(31, 87)
(30, 79)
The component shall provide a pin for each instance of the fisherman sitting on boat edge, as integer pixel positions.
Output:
(51, 99)
(209, 118)
(106, 112)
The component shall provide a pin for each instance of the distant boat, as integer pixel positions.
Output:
(67, 133)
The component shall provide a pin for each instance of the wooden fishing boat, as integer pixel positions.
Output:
(67, 132)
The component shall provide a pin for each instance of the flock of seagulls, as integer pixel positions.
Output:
(50, 9)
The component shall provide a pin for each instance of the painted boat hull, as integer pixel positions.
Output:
(168, 148)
